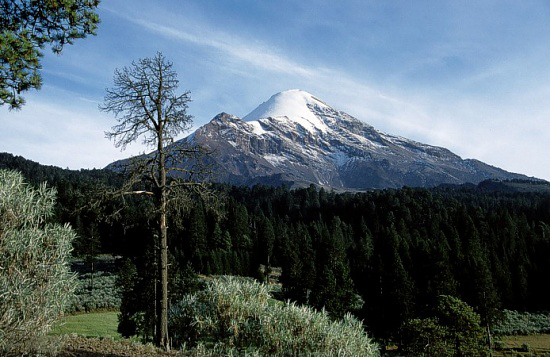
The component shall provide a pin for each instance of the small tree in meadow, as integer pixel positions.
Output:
(455, 330)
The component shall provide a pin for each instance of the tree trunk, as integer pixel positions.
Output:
(163, 340)
(163, 321)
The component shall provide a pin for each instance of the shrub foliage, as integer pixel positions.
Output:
(238, 315)
(522, 323)
(95, 291)
(455, 330)
(35, 282)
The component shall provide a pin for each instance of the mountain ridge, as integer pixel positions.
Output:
(295, 138)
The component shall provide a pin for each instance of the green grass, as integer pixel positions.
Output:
(539, 345)
(98, 324)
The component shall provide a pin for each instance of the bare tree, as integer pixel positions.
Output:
(146, 106)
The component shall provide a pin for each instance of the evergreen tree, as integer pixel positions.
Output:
(454, 330)
(196, 241)
(478, 288)
(265, 239)
(238, 227)
(397, 301)
(333, 288)
(291, 271)
(443, 281)
(129, 307)
(27, 26)
(220, 239)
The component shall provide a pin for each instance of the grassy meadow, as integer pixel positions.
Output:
(96, 324)
(531, 345)
(102, 327)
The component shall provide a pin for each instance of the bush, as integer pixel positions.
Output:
(426, 337)
(35, 282)
(455, 330)
(522, 323)
(237, 315)
(97, 291)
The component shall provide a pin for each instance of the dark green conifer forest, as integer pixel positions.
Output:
(386, 256)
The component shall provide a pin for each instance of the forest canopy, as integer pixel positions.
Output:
(383, 255)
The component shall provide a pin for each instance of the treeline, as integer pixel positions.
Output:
(384, 255)
(396, 250)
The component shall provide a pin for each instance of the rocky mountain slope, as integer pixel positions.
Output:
(297, 139)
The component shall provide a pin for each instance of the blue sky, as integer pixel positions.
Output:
(473, 77)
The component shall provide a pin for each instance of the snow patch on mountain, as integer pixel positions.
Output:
(295, 105)
(257, 127)
(275, 160)
(296, 137)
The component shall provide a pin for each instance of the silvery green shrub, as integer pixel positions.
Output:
(522, 323)
(103, 294)
(35, 282)
(237, 316)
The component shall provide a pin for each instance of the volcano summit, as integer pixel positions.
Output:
(296, 139)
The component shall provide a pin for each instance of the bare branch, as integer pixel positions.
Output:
(144, 102)
(146, 106)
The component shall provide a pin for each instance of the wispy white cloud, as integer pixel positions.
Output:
(71, 136)
(336, 83)
(259, 55)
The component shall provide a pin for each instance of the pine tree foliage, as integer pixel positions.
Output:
(333, 289)
(35, 282)
(454, 330)
(26, 26)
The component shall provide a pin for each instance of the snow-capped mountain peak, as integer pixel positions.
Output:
(296, 139)
(295, 105)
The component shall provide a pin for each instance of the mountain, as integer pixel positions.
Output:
(297, 139)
